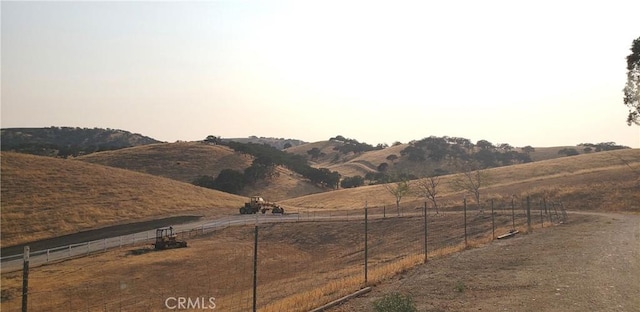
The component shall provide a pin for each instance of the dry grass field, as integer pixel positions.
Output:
(182, 161)
(44, 197)
(301, 265)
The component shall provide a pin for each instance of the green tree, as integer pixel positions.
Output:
(484, 145)
(212, 139)
(314, 153)
(414, 153)
(230, 181)
(632, 88)
(528, 149)
(568, 152)
(350, 182)
(204, 181)
(383, 167)
(392, 158)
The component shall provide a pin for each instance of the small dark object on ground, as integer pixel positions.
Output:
(510, 234)
(140, 251)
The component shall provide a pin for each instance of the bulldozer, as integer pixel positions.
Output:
(165, 239)
(258, 204)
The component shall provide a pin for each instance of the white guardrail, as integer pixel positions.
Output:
(40, 257)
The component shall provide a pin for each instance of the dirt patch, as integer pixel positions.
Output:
(591, 263)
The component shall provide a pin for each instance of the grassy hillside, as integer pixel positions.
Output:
(278, 143)
(68, 141)
(183, 161)
(43, 197)
(187, 160)
(604, 180)
(360, 164)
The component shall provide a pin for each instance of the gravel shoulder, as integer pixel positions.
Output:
(591, 263)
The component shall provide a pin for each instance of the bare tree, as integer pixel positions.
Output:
(429, 188)
(398, 190)
(471, 180)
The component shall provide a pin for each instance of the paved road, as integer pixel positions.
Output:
(39, 257)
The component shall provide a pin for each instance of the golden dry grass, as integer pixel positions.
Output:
(182, 161)
(44, 197)
(185, 161)
(301, 266)
(605, 179)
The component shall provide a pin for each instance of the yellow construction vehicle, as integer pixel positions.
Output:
(258, 204)
(165, 239)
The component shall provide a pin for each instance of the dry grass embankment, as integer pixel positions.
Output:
(44, 197)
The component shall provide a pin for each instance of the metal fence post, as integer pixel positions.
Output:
(25, 279)
(513, 212)
(541, 217)
(366, 244)
(493, 222)
(528, 214)
(255, 270)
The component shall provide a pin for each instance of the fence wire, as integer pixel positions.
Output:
(301, 264)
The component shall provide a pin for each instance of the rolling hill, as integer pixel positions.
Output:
(352, 164)
(279, 143)
(68, 141)
(43, 197)
(186, 161)
(599, 181)
(183, 161)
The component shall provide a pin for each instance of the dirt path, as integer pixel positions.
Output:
(590, 264)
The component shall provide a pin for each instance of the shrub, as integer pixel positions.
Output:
(395, 302)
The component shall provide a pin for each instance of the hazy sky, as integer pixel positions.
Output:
(540, 73)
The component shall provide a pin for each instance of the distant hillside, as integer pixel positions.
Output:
(431, 155)
(186, 161)
(607, 181)
(182, 161)
(43, 197)
(279, 143)
(68, 141)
